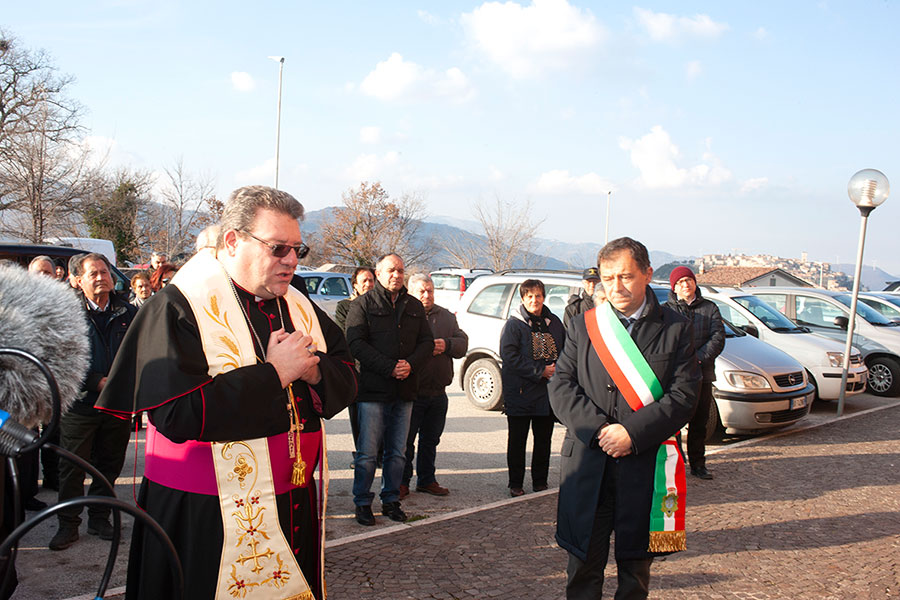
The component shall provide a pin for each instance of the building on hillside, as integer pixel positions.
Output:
(750, 277)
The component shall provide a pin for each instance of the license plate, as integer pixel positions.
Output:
(798, 402)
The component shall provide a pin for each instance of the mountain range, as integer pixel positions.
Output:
(553, 254)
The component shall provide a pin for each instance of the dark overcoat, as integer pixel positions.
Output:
(579, 390)
(524, 388)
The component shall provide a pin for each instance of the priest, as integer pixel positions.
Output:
(236, 370)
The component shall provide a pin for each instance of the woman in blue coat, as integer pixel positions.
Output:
(530, 343)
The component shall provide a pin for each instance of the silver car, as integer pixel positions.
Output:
(326, 288)
(758, 387)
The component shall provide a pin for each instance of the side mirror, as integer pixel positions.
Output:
(842, 322)
(751, 330)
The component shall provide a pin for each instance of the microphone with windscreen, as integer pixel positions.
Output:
(42, 317)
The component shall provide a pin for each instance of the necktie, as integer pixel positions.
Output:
(626, 322)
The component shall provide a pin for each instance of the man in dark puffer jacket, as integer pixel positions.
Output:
(709, 340)
(390, 337)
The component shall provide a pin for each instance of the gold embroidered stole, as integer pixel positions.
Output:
(257, 560)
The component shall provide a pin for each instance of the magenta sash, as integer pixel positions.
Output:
(189, 466)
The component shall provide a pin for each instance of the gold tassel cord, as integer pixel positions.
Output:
(667, 541)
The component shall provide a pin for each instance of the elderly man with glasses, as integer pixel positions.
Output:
(236, 369)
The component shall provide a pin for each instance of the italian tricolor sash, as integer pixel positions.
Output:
(638, 384)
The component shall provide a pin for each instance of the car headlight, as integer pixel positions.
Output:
(836, 359)
(747, 381)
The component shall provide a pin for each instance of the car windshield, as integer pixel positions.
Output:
(770, 317)
(866, 312)
(889, 298)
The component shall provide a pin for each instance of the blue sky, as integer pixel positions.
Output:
(717, 126)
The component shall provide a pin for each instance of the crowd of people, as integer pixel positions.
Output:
(236, 370)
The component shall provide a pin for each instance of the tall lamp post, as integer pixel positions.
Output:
(608, 198)
(868, 189)
(280, 61)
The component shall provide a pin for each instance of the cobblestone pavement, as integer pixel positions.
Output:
(814, 514)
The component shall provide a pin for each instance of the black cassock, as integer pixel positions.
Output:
(161, 368)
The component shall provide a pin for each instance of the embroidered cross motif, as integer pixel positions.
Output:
(255, 556)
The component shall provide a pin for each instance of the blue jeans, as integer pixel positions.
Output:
(377, 421)
(429, 415)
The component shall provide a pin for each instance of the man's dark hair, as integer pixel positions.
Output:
(359, 270)
(75, 264)
(93, 256)
(637, 250)
(531, 285)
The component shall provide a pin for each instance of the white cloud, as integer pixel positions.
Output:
(104, 151)
(761, 34)
(561, 182)
(754, 184)
(655, 156)
(496, 174)
(528, 40)
(398, 79)
(427, 17)
(370, 135)
(663, 27)
(371, 167)
(258, 174)
(242, 81)
(693, 70)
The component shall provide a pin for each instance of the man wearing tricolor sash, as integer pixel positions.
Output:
(625, 384)
(236, 370)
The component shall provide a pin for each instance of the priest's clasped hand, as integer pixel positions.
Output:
(614, 440)
(290, 355)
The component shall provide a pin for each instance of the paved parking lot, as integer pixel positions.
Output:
(808, 514)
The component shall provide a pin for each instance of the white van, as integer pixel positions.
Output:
(104, 247)
(823, 358)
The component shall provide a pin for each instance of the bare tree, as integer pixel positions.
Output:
(114, 212)
(32, 97)
(509, 230)
(183, 198)
(370, 224)
(44, 182)
(466, 251)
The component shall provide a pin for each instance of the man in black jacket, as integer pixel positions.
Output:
(609, 454)
(709, 340)
(430, 408)
(389, 335)
(579, 303)
(94, 436)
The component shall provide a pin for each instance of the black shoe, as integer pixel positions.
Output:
(540, 487)
(515, 492)
(51, 484)
(393, 511)
(701, 472)
(34, 504)
(364, 515)
(65, 537)
(100, 528)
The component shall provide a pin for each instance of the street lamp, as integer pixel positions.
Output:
(868, 189)
(608, 198)
(280, 61)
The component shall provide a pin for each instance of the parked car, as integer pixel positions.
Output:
(23, 253)
(451, 283)
(325, 288)
(822, 357)
(758, 387)
(482, 313)
(827, 312)
(887, 303)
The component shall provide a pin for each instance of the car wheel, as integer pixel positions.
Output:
(884, 376)
(482, 384)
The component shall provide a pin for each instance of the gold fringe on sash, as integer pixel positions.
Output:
(667, 541)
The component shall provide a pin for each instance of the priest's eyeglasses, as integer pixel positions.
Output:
(281, 250)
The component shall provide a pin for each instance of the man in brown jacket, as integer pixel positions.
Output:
(430, 407)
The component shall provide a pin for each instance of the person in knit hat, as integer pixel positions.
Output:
(709, 340)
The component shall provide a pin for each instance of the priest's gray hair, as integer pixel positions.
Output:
(243, 204)
(42, 316)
